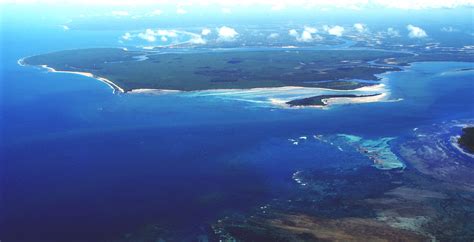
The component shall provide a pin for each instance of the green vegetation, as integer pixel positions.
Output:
(222, 70)
(318, 100)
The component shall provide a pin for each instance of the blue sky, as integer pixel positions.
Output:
(304, 20)
(182, 7)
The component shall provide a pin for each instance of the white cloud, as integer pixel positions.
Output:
(197, 40)
(65, 27)
(416, 32)
(149, 35)
(127, 36)
(336, 30)
(310, 30)
(205, 31)
(393, 32)
(306, 35)
(293, 32)
(273, 36)
(120, 13)
(360, 27)
(167, 33)
(226, 33)
(449, 29)
(181, 11)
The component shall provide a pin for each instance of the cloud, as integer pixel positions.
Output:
(226, 33)
(127, 36)
(306, 35)
(393, 32)
(181, 11)
(205, 31)
(273, 36)
(360, 27)
(149, 35)
(167, 33)
(197, 40)
(310, 30)
(120, 13)
(416, 32)
(293, 32)
(65, 28)
(336, 30)
(449, 29)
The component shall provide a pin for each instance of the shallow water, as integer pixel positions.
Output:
(94, 165)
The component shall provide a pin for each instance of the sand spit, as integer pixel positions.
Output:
(112, 85)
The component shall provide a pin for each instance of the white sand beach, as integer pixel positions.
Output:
(112, 85)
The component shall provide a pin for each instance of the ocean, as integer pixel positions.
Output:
(80, 163)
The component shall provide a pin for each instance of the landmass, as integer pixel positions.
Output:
(205, 70)
(467, 139)
(320, 99)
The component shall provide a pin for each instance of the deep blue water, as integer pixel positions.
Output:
(79, 162)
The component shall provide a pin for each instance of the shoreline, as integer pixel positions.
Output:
(20, 61)
(454, 142)
(374, 88)
(350, 100)
(371, 88)
(109, 83)
(333, 101)
(379, 87)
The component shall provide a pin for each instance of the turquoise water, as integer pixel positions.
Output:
(81, 163)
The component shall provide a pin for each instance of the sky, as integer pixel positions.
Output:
(221, 18)
(271, 4)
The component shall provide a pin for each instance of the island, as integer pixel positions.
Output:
(195, 70)
(320, 99)
(467, 139)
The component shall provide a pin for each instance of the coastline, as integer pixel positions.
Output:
(115, 87)
(454, 142)
(152, 91)
(382, 96)
(379, 88)
(20, 61)
(282, 104)
(329, 102)
(350, 100)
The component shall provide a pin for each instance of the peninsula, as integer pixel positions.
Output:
(238, 69)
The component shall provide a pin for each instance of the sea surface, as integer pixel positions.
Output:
(79, 163)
